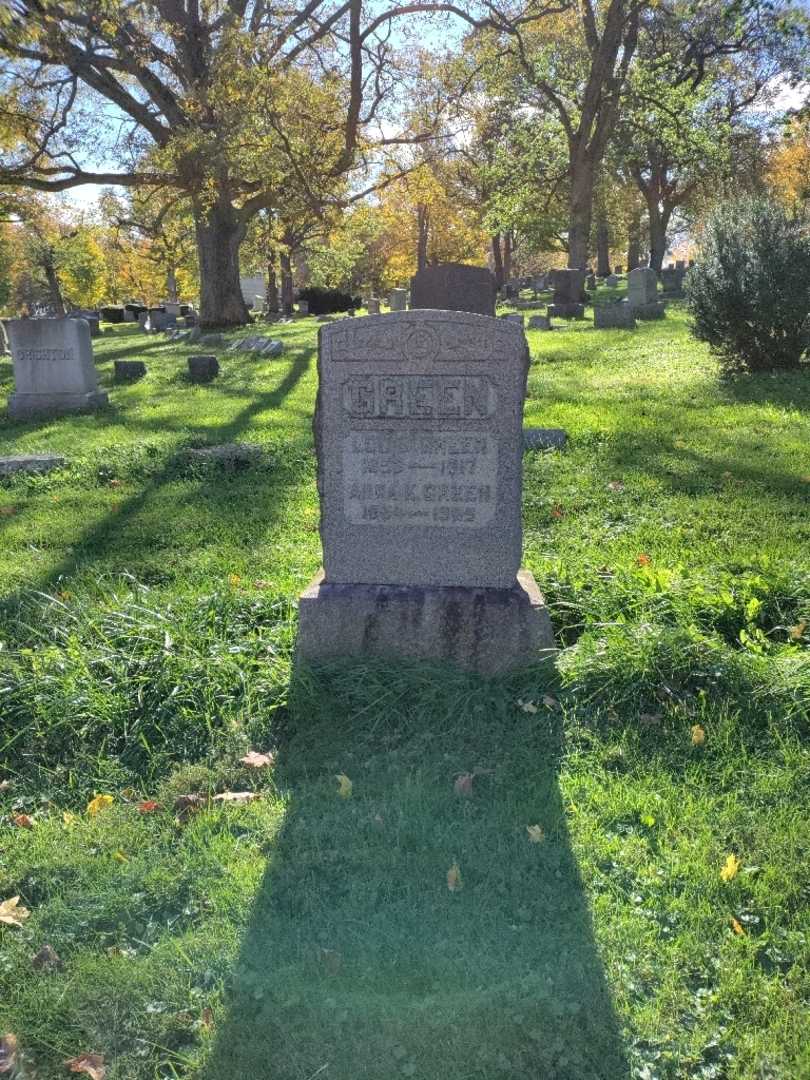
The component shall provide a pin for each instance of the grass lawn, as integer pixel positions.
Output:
(147, 618)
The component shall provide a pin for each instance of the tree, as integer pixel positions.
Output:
(788, 165)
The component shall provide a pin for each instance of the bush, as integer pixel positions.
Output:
(749, 293)
(326, 301)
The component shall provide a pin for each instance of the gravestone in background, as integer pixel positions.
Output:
(672, 281)
(53, 365)
(614, 317)
(398, 299)
(454, 287)
(642, 293)
(569, 293)
(612, 280)
(373, 305)
(419, 443)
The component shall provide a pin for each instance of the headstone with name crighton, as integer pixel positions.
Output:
(418, 432)
(53, 365)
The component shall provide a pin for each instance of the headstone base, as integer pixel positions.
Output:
(481, 629)
(26, 406)
(566, 311)
(645, 312)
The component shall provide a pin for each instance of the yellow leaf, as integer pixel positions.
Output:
(345, 785)
(91, 1065)
(796, 633)
(730, 868)
(12, 913)
(234, 581)
(119, 856)
(254, 760)
(101, 802)
(8, 1053)
(454, 882)
(698, 735)
(536, 833)
(69, 819)
(735, 926)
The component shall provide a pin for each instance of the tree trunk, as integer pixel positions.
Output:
(580, 204)
(497, 259)
(634, 241)
(285, 261)
(219, 233)
(507, 255)
(422, 233)
(171, 285)
(271, 301)
(603, 267)
(659, 223)
(54, 288)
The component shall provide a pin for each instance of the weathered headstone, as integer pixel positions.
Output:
(373, 305)
(612, 281)
(253, 288)
(303, 307)
(614, 317)
(569, 290)
(540, 438)
(398, 299)
(619, 270)
(642, 293)
(419, 443)
(539, 322)
(590, 281)
(53, 368)
(672, 281)
(454, 287)
(203, 368)
(112, 314)
(129, 370)
(31, 463)
(92, 318)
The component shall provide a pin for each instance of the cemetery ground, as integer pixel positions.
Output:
(596, 868)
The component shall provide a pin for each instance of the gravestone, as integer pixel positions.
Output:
(419, 443)
(680, 264)
(203, 368)
(642, 293)
(454, 287)
(590, 281)
(53, 368)
(171, 307)
(540, 438)
(92, 318)
(612, 281)
(373, 305)
(36, 464)
(303, 307)
(619, 270)
(614, 317)
(672, 281)
(398, 299)
(253, 288)
(112, 314)
(539, 322)
(129, 370)
(569, 291)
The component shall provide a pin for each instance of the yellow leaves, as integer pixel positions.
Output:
(736, 927)
(796, 633)
(234, 580)
(254, 760)
(101, 802)
(643, 560)
(68, 819)
(120, 857)
(454, 882)
(12, 913)
(91, 1065)
(344, 785)
(698, 735)
(730, 868)
(537, 834)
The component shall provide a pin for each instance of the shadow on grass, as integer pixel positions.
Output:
(359, 961)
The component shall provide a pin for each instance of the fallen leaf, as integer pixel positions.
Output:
(464, 784)
(797, 632)
(47, 959)
(616, 485)
(237, 797)
(344, 785)
(454, 882)
(186, 805)
(643, 560)
(557, 512)
(5, 785)
(735, 926)
(234, 580)
(91, 1064)
(148, 806)
(698, 735)
(8, 511)
(527, 706)
(23, 821)
(261, 584)
(536, 833)
(64, 596)
(207, 1018)
(550, 702)
(119, 856)
(12, 913)
(254, 760)
(115, 483)
(648, 820)
(8, 1053)
(730, 868)
(101, 802)
(68, 819)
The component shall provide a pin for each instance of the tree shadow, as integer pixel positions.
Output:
(785, 389)
(358, 960)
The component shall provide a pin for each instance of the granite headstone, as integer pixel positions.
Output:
(454, 287)
(53, 368)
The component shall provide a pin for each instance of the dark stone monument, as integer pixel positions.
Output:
(203, 368)
(129, 370)
(419, 443)
(569, 294)
(614, 317)
(454, 287)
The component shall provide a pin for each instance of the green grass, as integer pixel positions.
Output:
(147, 621)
